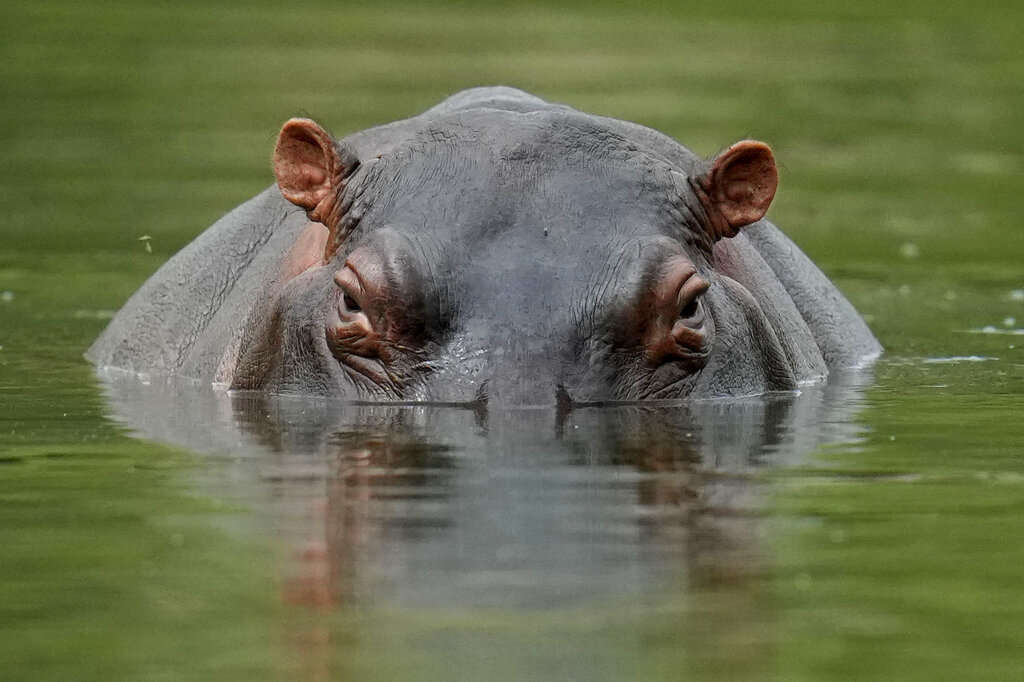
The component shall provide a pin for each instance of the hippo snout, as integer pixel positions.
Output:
(523, 373)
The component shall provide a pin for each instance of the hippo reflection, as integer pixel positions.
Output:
(495, 249)
(452, 507)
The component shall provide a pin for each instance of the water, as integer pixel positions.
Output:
(866, 529)
(527, 509)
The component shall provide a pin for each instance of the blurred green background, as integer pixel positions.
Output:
(899, 130)
(892, 121)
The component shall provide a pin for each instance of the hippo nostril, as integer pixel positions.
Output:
(513, 390)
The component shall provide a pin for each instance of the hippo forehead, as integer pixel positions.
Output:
(498, 170)
(522, 211)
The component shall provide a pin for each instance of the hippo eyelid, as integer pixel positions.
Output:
(348, 278)
(693, 287)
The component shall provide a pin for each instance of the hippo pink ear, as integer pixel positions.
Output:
(739, 187)
(310, 170)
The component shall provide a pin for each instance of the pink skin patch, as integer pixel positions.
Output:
(307, 252)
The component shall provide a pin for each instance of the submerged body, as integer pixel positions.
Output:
(496, 248)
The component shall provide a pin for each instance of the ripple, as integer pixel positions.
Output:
(957, 358)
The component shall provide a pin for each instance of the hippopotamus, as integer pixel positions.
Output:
(496, 249)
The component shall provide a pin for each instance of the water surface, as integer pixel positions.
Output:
(865, 529)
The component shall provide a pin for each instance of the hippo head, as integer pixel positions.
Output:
(518, 258)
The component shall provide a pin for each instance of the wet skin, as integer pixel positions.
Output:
(496, 250)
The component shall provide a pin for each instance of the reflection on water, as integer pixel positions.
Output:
(441, 507)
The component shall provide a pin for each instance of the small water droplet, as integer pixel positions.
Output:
(910, 250)
(7, 296)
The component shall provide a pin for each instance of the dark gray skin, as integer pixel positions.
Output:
(496, 249)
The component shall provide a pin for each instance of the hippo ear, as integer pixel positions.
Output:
(311, 169)
(738, 187)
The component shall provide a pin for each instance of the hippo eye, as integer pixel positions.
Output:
(351, 287)
(689, 310)
(353, 333)
(351, 305)
(678, 328)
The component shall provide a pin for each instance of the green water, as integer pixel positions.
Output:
(897, 554)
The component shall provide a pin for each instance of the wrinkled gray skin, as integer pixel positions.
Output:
(516, 250)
